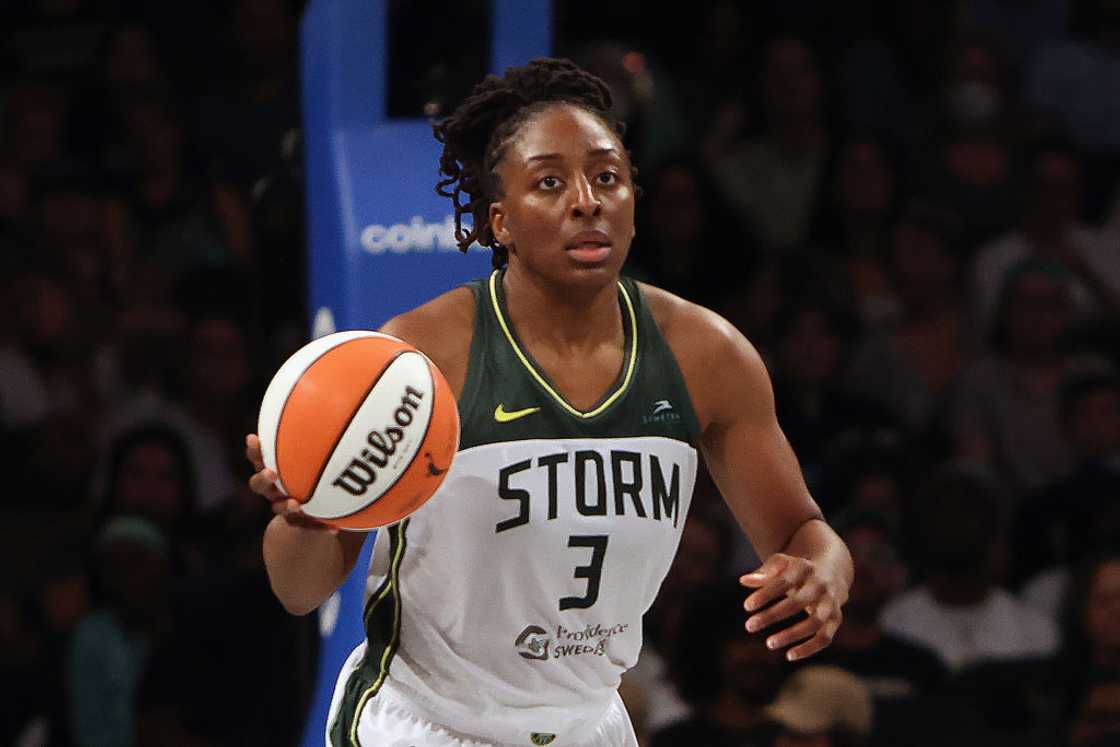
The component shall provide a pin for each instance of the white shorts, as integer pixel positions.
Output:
(387, 720)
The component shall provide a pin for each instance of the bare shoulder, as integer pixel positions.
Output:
(442, 329)
(717, 361)
(692, 331)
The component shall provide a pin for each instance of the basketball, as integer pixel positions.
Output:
(360, 428)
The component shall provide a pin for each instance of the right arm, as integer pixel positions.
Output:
(307, 560)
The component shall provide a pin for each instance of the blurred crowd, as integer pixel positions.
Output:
(912, 208)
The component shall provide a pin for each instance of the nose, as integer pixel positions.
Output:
(585, 201)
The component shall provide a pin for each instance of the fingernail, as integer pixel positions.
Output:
(790, 656)
(752, 625)
(771, 643)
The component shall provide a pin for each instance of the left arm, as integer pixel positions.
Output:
(806, 565)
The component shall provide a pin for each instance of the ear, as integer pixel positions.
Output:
(498, 224)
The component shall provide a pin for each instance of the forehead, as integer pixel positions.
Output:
(566, 131)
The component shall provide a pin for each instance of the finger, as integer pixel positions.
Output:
(767, 617)
(289, 507)
(799, 632)
(253, 451)
(264, 483)
(774, 590)
(807, 594)
(817, 642)
(775, 564)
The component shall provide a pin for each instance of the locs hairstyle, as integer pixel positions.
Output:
(477, 133)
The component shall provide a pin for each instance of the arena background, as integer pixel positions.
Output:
(911, 208)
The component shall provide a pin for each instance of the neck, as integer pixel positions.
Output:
(562, 318)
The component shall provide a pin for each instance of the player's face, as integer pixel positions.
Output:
(567, 208)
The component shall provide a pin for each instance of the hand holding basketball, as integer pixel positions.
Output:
(263, 482)
(806, 587)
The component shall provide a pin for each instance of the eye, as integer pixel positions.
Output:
(548, 182)
(608, 178)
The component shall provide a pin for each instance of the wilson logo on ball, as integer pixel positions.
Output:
(362, 472)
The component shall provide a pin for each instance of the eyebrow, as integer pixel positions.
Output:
(554, 156)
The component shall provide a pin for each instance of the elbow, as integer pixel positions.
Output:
(298, 608)
(295, 603)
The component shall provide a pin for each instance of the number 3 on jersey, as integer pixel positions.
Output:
(593, 571)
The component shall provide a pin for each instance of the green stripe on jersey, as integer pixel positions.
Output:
(383, 632)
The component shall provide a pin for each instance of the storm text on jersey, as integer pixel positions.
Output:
(615, 481)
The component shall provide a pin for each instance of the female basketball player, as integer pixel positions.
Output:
(506, 608)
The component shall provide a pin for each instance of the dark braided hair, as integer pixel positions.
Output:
(476, 135)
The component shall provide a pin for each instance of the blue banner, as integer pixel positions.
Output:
(381, 241)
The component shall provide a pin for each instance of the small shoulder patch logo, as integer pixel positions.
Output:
(540, 738)
(661, 405)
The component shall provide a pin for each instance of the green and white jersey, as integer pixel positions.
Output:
(510, 604)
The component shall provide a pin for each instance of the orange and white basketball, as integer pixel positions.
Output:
(361, 428)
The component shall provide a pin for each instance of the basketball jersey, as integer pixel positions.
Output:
(510, 604)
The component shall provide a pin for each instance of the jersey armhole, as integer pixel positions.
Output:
(660, 341)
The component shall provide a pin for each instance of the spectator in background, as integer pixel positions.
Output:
(1050, 229)
(33, 126)
(41, 370)
(110, 649)
(906, 367)
(1003, 410)
(242, 122)
(773, 182)
(812, 337)
(1096, 721)
(713, 86)
(959, 610)
(49, 38)
(151, 476)
(821, 706)
(1091, 651)
(1020, 26)
(898, 672)
(687, 231)
(208, 406)
(971, 155)
(703, 554)
(83, 234)
(644, 97)
(185, 218)
(728, 676)
(129, 67)
(1072, 83)
(886, 76)
(855, 227)
(870, 471)
(1080, 513)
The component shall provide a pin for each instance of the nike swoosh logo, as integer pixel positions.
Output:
(502, 416)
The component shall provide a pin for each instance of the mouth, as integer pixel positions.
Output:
(589, 247)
